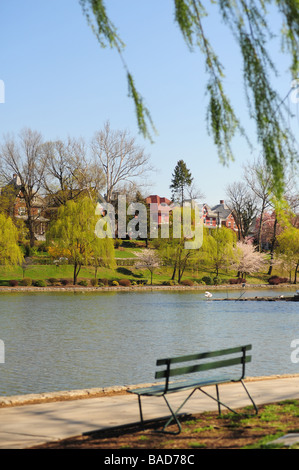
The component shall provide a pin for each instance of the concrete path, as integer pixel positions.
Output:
(25, 426)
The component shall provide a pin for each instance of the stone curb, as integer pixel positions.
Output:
(141, 288)
(36, 398)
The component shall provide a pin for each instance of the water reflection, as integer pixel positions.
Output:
(69, 341)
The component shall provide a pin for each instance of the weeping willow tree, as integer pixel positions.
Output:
(247, 20)
(73, 235)
(10, 252)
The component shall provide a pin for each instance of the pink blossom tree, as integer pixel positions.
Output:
(247, 259)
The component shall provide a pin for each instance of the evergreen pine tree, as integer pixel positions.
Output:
(181, 179)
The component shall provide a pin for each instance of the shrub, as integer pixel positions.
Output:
(238, 280)
(65, 282)
(217, 281)
(93, 282)
(13, 283)
(125, 271)
(207, 280)
(169, 283)
(52, 281)
(105, 282)
(101, 284)
(117, 243)
(125, 282)
(26, 281)
(274, 280)
(115, 283)
(83, 283)
(40, 283)
(187, 282)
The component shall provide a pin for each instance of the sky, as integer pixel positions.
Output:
(60, 82)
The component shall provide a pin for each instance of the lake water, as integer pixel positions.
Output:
(67, 341)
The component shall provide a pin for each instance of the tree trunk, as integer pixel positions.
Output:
(272, 246)
(30, 224)
(260, 231)
(77, 268)
(175, 265)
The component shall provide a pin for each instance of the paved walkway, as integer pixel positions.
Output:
(25, 426)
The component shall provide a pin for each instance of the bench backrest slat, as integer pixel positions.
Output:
(201, 367)
(205, 355)
(167, 372)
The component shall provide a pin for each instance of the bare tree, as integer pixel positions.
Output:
(260, 181)
(69, 171)
(121, 159)
(194, 192)
(24, 159)
(243, 204)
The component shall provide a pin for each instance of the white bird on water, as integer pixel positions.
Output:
(208, 294)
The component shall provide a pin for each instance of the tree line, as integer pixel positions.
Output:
(70, 175)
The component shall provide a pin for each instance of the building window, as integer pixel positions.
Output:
(22, 210)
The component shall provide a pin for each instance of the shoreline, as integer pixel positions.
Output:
(78, 288)
(57, 396)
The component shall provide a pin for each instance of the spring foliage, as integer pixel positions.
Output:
(249, 23)
(73, 235)
(10, 252)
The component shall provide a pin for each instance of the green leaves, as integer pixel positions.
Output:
(106, 33)
(181, 179)
(10, 252)
(249, 24)
(142, 113)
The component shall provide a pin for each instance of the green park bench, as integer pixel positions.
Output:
(237, 356)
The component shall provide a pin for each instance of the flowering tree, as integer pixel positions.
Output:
(148, 259)
(247, 259)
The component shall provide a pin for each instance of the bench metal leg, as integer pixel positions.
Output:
(223, 404)
(251, 399)
(217, 399)
(174, 414)
(140, 409)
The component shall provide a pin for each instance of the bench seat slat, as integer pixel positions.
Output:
(159, 390)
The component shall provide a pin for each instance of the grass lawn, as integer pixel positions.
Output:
(40, 271)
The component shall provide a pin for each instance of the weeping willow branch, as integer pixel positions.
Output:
(106, 34)
(246, 20)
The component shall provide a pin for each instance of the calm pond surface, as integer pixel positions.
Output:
(67, 341)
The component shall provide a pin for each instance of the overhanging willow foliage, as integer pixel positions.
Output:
(247, 20)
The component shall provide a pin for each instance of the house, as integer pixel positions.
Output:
(209, 217)
(16, 207)
(161, 207)
(225, 216)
